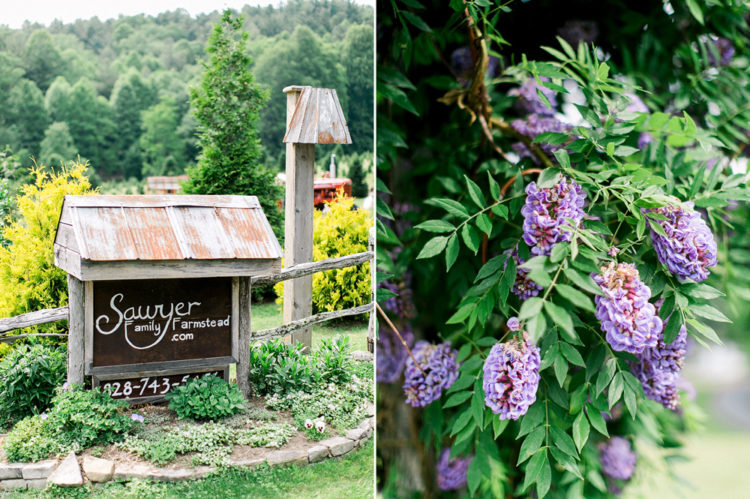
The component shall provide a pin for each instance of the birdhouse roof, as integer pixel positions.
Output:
(317, 118)
(102, 237)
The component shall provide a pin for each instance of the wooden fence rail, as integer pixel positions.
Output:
(61, 313)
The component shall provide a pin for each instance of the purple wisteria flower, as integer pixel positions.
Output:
(547, 210)
(534, 125)
(523, 287)
(440, 372)
(401, 305)
(391, 353)
(529, 100)
(725, 50)
(644, 139)
(511, 378)
(658, 368)
(618, 458)
(689, 248)
(628, 319)
(513, 324)
(451, 473)
(462, 65)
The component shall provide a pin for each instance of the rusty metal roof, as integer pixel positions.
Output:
(317, 118)
(165, 228)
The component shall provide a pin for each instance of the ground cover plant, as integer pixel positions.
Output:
(561, 220)
(206, 398)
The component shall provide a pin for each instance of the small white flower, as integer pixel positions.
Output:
(320, 426)
(309, 424)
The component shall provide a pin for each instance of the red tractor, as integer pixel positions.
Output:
(325, 190)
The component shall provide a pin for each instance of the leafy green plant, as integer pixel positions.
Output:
(340, 231)
(29, 375)
(204, 398)
(276, 367)
(538, 190)
(81, 418)
(77, 419)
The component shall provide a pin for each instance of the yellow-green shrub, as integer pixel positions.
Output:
(29, 280)
(339, 232)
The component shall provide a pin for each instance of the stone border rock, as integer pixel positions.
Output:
(68, 473)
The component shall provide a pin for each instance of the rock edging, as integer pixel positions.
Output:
(69, 473)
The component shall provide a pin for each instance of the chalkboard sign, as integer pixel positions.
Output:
(156, 321)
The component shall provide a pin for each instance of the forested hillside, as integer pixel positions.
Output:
(116, 92)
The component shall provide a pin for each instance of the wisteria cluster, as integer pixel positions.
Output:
(511, 378)
(658, 368)
(451, 473)
(529, 100)
(689, 248)
(630, 322)
(536, 124)
(547, 210)
(523, 287)
(462, 65)
(618, 458)
(401, 305)
(437, 371)
(391, 353)
(725, 48)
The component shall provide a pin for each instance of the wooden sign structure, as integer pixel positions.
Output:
(159, 287)
(314, 116)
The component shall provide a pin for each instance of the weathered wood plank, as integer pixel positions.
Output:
(66, 237)
(373, 316)
(76, 330)
(88, 335)
(304, 269)
(16, 337)
(298, 226)
(154, 368)
(150, 201)
(68, 260)
(243, 357)
(289, 328)
(33, 318)
(108, 271)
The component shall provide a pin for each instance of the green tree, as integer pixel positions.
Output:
(357, 60)
(163, 149)
(227, 104)
(357, 175)
(26, 104)
(42, 58)
(130, 97)
(57, 146)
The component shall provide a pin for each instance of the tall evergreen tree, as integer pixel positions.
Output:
(357, 175)
(227, 104)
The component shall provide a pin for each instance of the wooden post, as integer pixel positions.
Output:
(76, 328)
(243, 349)
(298, 225)
(373, 281)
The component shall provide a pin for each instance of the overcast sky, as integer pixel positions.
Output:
(14, 13)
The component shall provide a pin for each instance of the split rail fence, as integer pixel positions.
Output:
(7, 325)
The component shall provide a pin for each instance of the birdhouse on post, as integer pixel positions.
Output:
(313, 116)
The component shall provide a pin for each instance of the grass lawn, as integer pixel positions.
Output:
(350, 477)
(717, 467)
(268, 314)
